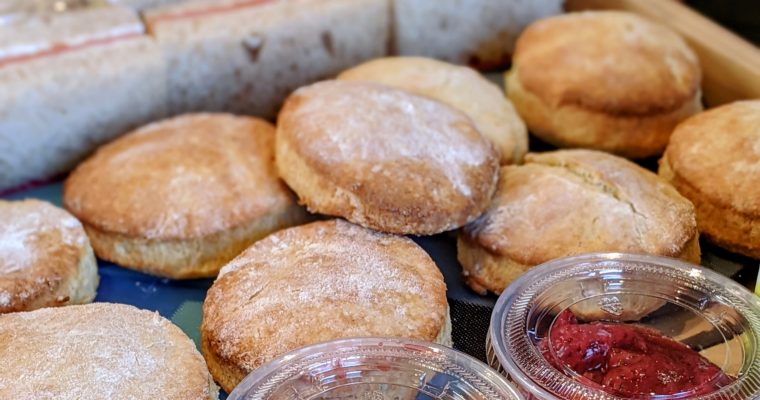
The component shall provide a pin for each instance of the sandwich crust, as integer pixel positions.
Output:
(45, 258)
(180, 197)
(384, 158)
(460, 87)
(606, 80)
(318, 282)
(570, 202)
(101, 350)
(713, 159)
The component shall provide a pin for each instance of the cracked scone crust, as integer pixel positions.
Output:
(605, 80)
(713, 159)
(460, 87)
(99, 351)
(181, 197)
(314, 283)
(571, 202)
(45, 258)
(384, 158)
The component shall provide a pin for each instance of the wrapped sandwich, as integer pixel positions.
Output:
(71, 81)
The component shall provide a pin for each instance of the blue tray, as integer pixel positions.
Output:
(181, 301)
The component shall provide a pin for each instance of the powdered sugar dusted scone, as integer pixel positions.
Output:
(384, 158)
(713, 159)
(181, 197)
(318, 282)
(45, 258)
(99, 351)
(460, 87)
(605, 80)
(571, 202)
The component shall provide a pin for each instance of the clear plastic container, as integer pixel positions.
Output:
(375, 369)
(694, 306)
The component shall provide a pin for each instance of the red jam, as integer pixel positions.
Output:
(628, 360)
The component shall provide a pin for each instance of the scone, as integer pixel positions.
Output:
(713, 159)
(45, 258)
(99, 351)
(460, 87)
(604, 80)
(180, 197)
(384, 158)
(570, 202)
(318, 282)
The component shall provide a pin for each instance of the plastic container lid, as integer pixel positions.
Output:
(705, 311)
(375, 369)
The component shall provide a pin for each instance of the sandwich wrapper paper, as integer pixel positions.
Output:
(181, 301)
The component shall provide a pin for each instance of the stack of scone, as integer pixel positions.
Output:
(393, 153)
(615, 82)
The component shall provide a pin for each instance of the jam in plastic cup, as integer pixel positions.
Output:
(687, 326)
(375, 369)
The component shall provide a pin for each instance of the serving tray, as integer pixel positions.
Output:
(181, 301)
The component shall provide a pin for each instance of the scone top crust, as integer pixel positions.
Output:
(577, 201)
(460, 87)
(100, 350)
(40, 247)
(181, 178)
(317, 282)
(390, 160)
(607, 61)
(718, 153)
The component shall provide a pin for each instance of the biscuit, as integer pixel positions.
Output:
(99, 351)
(713, 159)
(384, 158)
(570, 202)
(460, 87)
(318, 282)
(604, 80)
(179, 198)
(45, 258)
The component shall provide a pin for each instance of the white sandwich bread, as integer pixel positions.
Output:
(71, 81)
(246, 56)
(480, 33)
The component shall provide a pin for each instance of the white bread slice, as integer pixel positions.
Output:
(480, 33)
(144, 4)
(70, 82)
(247, 56)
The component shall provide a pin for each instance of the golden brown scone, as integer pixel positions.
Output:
(45, 258)
(181, 197)
(318, 282)
(460, 87)
(713, 159)
(384, 158)
(570, 202)
(99, 351)
(604, 80)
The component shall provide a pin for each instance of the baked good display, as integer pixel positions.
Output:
(460, 87)
(713, 159)
(318, 282)
(247, 56)
(99, 351)
(384, 158)
(605, 80)
(70, 82)
(570, 202)
(180, 197)
(45, 258)
(479, 33)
